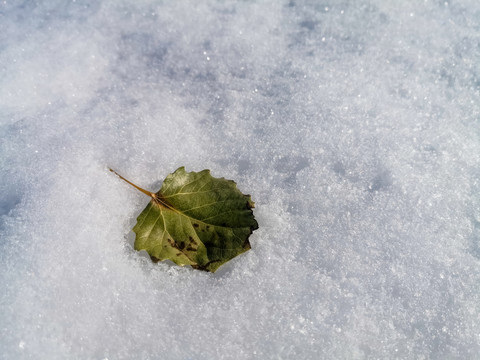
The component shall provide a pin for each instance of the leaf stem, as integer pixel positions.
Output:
(146, 192)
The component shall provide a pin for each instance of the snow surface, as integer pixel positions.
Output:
(354, 125)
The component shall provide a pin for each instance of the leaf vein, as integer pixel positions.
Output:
(201, 206)
(222, 213)
(189, 193)
(191, 182)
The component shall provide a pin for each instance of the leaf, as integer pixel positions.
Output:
(195, 219)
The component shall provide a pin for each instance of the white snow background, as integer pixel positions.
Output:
(354, 125)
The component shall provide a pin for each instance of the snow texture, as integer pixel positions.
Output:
(354, 125)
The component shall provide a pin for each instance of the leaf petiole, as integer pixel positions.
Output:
(146, 192)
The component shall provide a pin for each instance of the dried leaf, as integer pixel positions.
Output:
(195, 219)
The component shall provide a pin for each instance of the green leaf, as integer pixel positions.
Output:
(195, 219)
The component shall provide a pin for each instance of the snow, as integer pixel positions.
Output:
(354, 125)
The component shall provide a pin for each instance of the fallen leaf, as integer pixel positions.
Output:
(195, 219)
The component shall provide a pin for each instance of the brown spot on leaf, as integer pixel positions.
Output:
(200, 267)
(195, 225)
(190, 248)
(182, 245)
